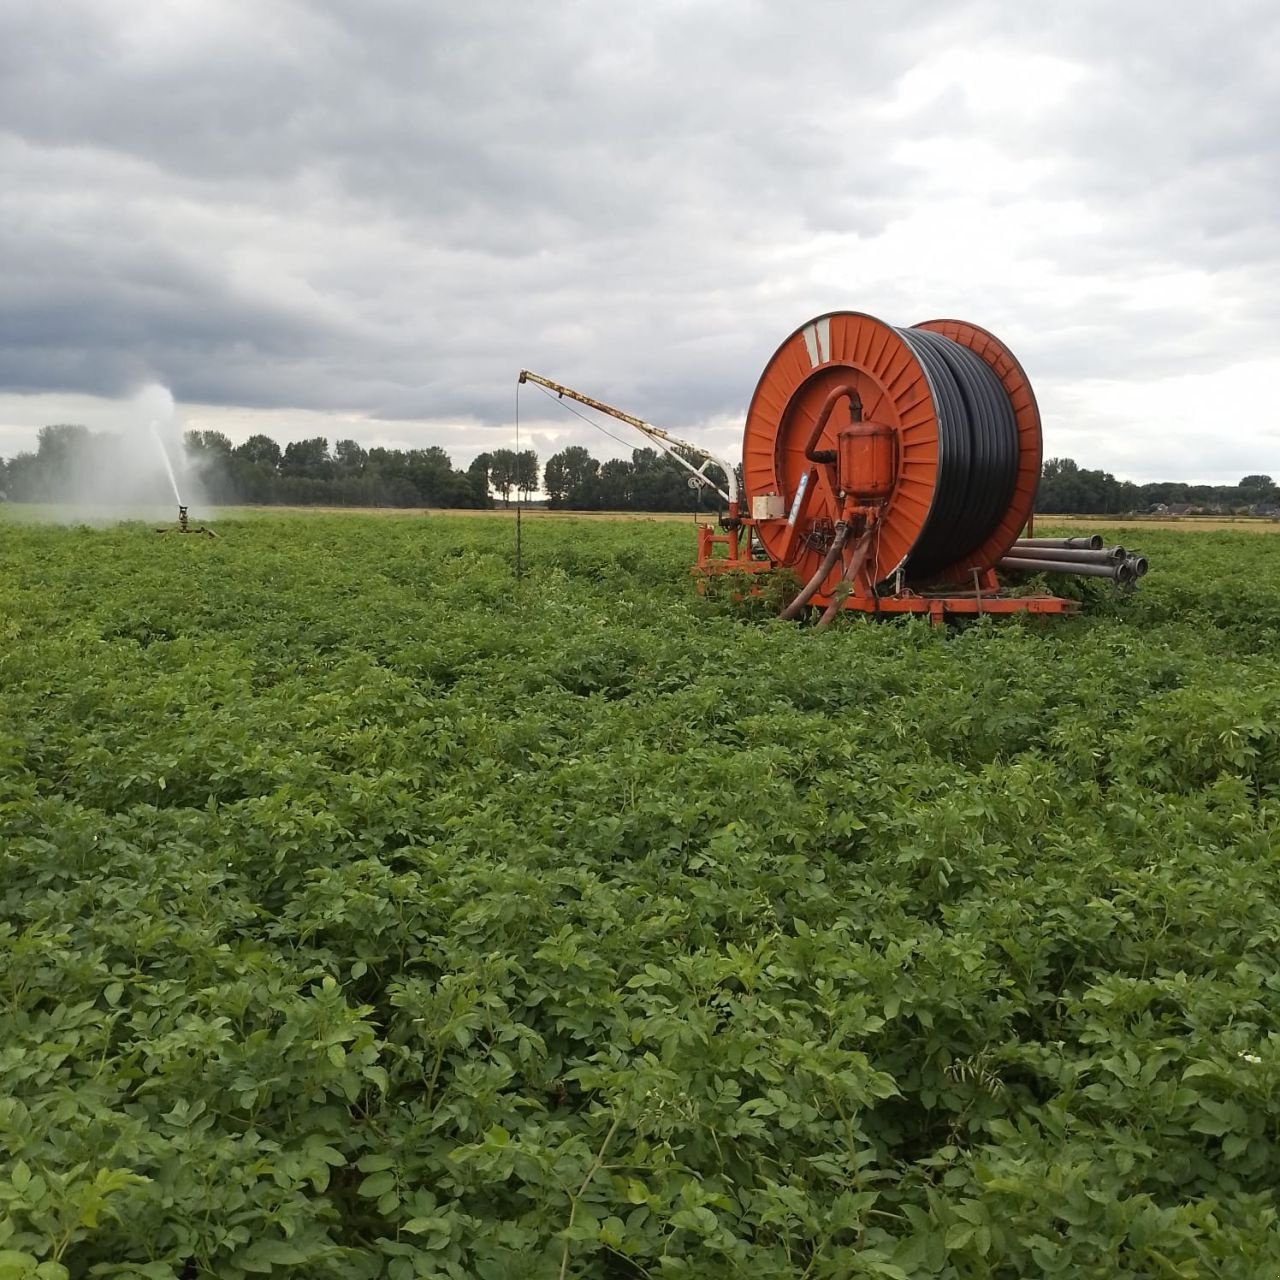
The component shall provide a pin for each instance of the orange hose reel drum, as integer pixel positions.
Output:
(852, 348)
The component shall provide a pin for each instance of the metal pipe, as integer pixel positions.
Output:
(1139, 566)
(855, 410)
(1118, 571)
(1068, 557)
(810, 588)
(1092, 543)
(856, 562)
(663, 439)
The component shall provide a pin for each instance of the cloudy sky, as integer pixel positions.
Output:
(363, 217)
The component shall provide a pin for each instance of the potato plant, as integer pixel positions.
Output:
(367, 912)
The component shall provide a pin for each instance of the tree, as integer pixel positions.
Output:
(1164, 493)
(260, 450)
(526, 472)
(61, 441)
(60, 463)
(615, 484)
(431, 472)
(22, 476)
(350, 457)
(570, 478)
(478, 480)
(659, 482)
(307, 458)
(211, 455)
(504, 473)
(211, 442)
(1066, 487)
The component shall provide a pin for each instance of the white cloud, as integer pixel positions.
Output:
(342, 219)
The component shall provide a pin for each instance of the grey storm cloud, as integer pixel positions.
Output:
(387, 208)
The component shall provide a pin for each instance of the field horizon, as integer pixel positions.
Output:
(36, 512)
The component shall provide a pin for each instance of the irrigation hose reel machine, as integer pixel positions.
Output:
(893, 470)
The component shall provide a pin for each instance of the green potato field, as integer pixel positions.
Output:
(366, 910)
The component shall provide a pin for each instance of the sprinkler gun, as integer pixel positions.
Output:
(184, 525)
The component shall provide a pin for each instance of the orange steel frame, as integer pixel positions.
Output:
(936, 604)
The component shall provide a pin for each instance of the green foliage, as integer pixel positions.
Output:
(647, 481)
(1067, 487)
(367, 912)
(72, 461)
(511, 472)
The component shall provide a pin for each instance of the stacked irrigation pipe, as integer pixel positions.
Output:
(1081, 557)
(966, 447)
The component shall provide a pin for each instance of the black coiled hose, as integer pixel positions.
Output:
(977, 451)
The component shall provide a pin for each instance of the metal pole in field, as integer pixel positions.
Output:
(519, 546)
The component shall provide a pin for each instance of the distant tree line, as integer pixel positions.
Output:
(648, 481)
(1067, 488)
(308, 473)
(71, 462)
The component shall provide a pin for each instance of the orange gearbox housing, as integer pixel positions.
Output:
(866, 461)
